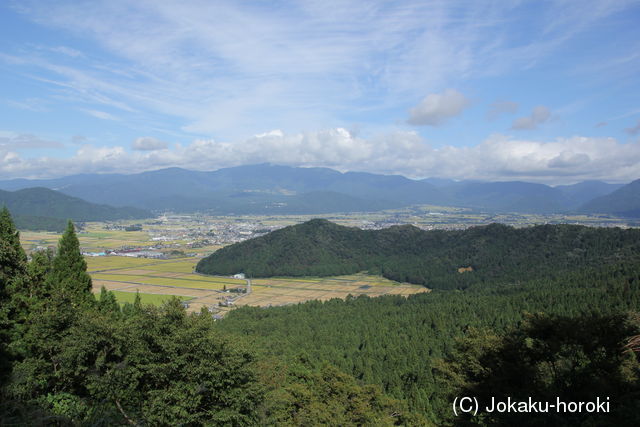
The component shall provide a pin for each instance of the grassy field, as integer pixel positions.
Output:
(95, 264)
(140, 271)
(183, 281)
(153, 299)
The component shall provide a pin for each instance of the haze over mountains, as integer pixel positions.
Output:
(44, 209)
(271, 189)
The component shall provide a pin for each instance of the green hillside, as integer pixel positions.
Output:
(46, 203)
(429, 348)
(40, 223)
(431, 258)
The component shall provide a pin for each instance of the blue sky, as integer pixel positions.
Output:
(544, 91)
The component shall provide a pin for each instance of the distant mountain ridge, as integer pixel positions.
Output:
(511, 196)
(624, 201)
(583, 192)
(273, 189)
(48, 208)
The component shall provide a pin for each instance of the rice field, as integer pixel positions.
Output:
(95, 264)
(181, 281)
(160, 278)
(282, 291)
(168, 273)
(153, 299)
(94, 239)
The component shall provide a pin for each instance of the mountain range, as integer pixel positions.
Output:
(273, 189)
(624, 201)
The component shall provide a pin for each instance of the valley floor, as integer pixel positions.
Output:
(220, 294)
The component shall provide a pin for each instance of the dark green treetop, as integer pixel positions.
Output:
(13, 266)
(13, 260)
(69, 274)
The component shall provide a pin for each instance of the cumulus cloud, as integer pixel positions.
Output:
(148, 143)
(436, 108)
(539, 115)
(634, 130)
(499, 108)
(568, 159)
(498, 158)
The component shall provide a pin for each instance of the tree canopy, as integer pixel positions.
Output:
(493, 254)
(512, 325)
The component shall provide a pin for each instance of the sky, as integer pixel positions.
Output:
(539, 91)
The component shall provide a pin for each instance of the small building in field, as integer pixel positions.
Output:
(239, 276)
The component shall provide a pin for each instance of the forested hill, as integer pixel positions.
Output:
(44, 204)
(492, 253)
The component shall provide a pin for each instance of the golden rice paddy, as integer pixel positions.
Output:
(176, 277)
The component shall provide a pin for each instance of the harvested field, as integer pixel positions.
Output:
(281, 291)
(176, 277)
(115, 262)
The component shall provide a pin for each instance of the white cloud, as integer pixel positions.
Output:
(567, 159)
(225, 65)
(539, 115)
(147, 143)
(436, 108)
(499, 157)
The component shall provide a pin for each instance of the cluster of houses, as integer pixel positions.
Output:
(129, 253)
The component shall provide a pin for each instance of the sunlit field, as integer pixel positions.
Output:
(282, 291)
(175, 277)
(152, 299)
